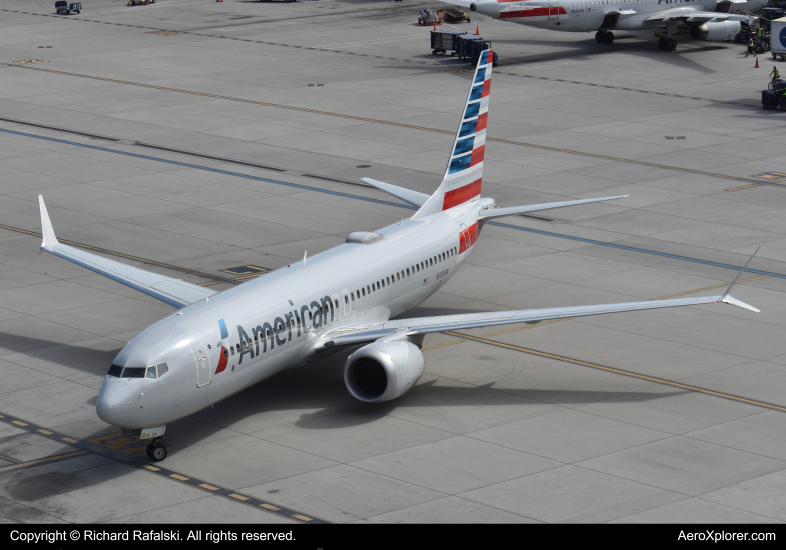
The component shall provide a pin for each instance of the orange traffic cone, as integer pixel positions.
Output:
(757, 62)
(435, 26)
(477, 30)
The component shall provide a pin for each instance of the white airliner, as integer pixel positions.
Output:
(711, 20)
(217, 344)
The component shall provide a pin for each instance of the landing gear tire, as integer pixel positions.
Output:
(156, 451)
(662, 44)
(599, 37)
(608, 38)
(671, 45)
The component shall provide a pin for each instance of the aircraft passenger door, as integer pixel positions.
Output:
(202, 361)
(553, 9)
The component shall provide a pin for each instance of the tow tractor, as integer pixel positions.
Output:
(773, 99)
(62, 7)
(429, 17)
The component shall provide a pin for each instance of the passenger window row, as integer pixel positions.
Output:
(403, 274)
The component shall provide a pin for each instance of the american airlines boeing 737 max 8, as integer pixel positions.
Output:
(217, 344)
(711, 20)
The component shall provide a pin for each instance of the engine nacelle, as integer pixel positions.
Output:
(383, 371)
(715, 32)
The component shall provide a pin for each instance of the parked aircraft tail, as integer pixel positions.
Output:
(464, 173)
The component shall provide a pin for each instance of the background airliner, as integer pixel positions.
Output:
(217, 344)
(711, 20)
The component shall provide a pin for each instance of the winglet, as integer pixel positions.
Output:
(46, 227)
(726, 298)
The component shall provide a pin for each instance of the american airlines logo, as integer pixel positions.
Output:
(289, 324)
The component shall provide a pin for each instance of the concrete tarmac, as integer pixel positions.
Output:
(196, 138)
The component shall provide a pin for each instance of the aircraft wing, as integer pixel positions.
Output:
(400, 329)
(687, 15)
(425, 325)
(174, 292)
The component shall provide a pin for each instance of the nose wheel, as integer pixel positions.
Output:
(156, 449)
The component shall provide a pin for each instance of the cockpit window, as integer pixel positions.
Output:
(162, 369)
(151, 373)
(115, 371)
(134, 372)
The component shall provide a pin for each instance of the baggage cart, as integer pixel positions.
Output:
(445, 41)
(464, 44)
(61, 6)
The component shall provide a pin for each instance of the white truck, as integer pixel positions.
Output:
(778, 38)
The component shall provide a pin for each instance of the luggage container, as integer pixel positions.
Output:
(445, 41)
(464, 44)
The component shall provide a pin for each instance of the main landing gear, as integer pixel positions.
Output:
(667, 44)
(604, 37)
(156, 450)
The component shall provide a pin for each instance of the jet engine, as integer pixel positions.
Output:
(715, 32)
(383, 371)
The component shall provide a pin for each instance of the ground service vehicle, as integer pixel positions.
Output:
(452, 15)
(445, 41)
(63, 7)
(773, 99)
(429, 17)
(778, 39)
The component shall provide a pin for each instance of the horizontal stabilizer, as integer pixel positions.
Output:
(492, 213)
(174, 292)
(407, 195)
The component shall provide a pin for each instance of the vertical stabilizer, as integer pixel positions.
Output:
(464, 174)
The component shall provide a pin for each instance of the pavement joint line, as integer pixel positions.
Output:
(41, 461)
(618, 371)
(551, 322)
(399, 124)
(361, 198)
(90, 447)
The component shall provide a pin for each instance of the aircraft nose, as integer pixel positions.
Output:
(115, 403)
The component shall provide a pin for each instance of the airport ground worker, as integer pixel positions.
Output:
(750, 46)
(760, 31)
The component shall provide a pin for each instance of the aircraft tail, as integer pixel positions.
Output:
(464, 173)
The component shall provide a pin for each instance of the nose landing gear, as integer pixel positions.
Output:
(156, 449)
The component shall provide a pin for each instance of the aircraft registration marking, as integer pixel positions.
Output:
(85, 447)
